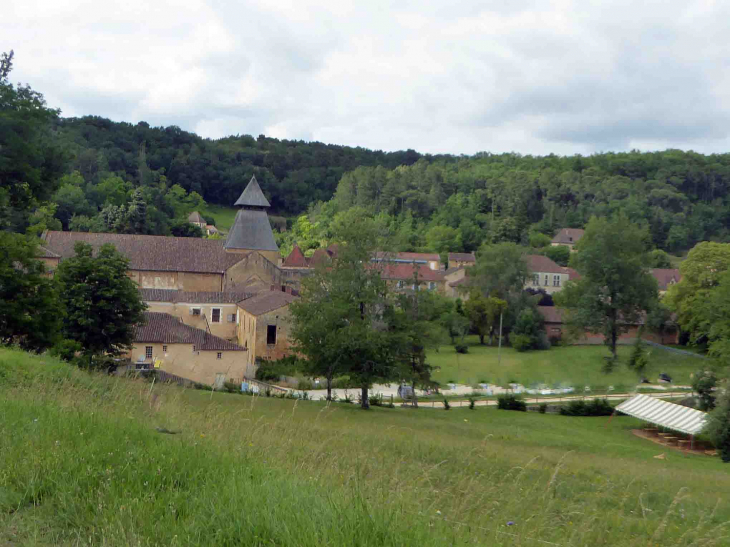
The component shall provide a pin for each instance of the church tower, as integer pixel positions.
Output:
(251, 230)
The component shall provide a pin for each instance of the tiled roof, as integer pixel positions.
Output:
(568, 236)
(542, 264)
(551, 314)
(572, 274)
(199, 297)
(46, 253)
(666, 277)
(461, 257)
(163, 328)
(251, 230)
(296, 259)
(252, 196)
(152, 253)
(463, 282)
(265, 302)
(387, 256)
(320, 256)
(405, 272)
(195, 217)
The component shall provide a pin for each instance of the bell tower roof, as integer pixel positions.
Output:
(252, 196)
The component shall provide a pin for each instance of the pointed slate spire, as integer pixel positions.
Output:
(251, 230)
(252, 196)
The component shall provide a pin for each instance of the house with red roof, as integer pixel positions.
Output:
(546, 274)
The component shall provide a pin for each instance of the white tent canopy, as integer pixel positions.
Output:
(665, 414)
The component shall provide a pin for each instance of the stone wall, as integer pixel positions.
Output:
(225, 329)
(253, 332)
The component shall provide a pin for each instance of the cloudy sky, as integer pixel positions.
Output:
(532, 76)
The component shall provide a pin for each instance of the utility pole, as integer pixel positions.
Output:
(499, 347)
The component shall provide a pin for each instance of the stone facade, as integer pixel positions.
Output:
(203, 316)
(264, 326)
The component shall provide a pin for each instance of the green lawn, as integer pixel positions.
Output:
(223, 215)
(81, 463)
(571, 365)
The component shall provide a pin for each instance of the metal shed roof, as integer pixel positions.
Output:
(666, 414)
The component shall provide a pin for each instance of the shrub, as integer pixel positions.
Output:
(521, 342)
(271, 370)
(447, 406)
(511, 402)
(472, 402)
(704, 383)
(461, 348)
(542, 342)
(594, 407)
(542, 408)
(304, 383)
(232, 387)
(555, 340)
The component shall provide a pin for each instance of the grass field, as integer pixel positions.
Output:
(570, 365)
(224, 216)
(81, 463)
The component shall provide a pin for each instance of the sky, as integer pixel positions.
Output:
(527, 76)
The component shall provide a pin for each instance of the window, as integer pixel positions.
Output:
(556, 281)
(570, 238)
(219, 356)
(215, 315)
(232, 318)
(555, 330)
(164, 349)
(546, 280)
(431, 285)
(271, 335)
(148, 352)
(194, 348)
(400, 284)
(535, 279)
(194, 311)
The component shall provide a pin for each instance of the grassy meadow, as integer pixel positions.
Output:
(570, 365)
(82, 462)
(223, 215)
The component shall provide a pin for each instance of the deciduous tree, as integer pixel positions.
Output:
(101, 301)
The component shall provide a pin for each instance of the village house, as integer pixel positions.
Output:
(462, 259)
(164, 342)
(666, 277)
(264, 325)
(555, 329)
(431, 260)
(545, 274)
(567, 237)
(197, 220)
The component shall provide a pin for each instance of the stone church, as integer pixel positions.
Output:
(205, 284)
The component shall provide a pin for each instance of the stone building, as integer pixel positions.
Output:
(545, 274)
(165, 342)
(567, 237)
(462, 259)
(264, 324)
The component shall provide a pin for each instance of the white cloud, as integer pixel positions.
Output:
(568, 76)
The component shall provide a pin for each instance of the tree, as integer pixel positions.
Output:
(500, 269)
(704, 383)
(183, 228)
(137, 213)
(31, 160)
(614, 290)
(101, 301)
(340, 323)
(659, 259)
(719, 426)
(529, 326)
(692, 298)
(30, 312)
(443, 239)
(560, 254)
(483, 313)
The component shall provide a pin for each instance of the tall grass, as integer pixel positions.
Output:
(82, 462)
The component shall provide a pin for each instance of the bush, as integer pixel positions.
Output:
(447, 406)
(704, 383)
(461, 348)
(472, 402)
(542, 408)
(521, 342)
(594, 407)
(511, 402)
(542, 342)
(269, 371)
(305, 383)
(232, 387)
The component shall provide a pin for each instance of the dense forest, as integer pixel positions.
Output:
(93, 174)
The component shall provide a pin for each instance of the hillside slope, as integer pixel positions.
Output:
(82, 462)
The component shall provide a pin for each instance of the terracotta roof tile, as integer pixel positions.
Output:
(163, 328)
(265, 302)
(152, 253)
(296, 259)
(666, 277)
(195, 217)
(462, 257)
(320, 256)
(405, 272)
(542, 264)
(192, 297)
